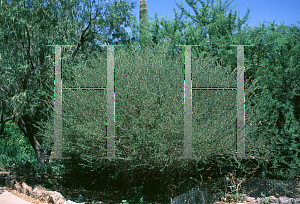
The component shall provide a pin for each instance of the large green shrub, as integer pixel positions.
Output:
(14, 146)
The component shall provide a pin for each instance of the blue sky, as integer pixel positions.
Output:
(286, 11)
(268, 10)
(260, 10)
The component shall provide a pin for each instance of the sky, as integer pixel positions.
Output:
(285, 11)
(260, 10)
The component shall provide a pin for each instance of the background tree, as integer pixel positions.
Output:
(210, 20)
(144, 24)
(26, 29)
(25, 76)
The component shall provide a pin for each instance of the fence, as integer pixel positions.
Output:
(252, 188)
(240, 137)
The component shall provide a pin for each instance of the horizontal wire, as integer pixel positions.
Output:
(208, 88)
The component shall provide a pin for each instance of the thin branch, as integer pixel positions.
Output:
(4, 91)
(83, 38)
(7, 119)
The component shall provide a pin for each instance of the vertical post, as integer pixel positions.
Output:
(240, 146)
(57, 106)
(110, 104)
(188, 106)
(240, 138)
(240, 98)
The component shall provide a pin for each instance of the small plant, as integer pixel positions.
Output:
(237, 197)
(266, 199)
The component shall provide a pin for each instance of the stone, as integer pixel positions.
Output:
(48, 196)
(285, 200)
(17, 187)
(71, 202)
(37, 194)
(51, 197)
(12, 183)
(55, 197)
(272, 200)
(249, 199)
(27, 190)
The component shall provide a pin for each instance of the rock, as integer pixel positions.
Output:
(37, 193)
(71, 202)
(272, 200)
(17, 187)
(52, 197)
(27, 190)
(48, 196)
(55, 197)
(249, 199)
(12, 183)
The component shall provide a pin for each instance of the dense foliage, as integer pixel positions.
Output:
(26, 30)
(149, 116)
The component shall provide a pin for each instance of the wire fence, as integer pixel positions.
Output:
(251, 187)
(193, 196)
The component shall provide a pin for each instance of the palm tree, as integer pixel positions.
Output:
(144, 24)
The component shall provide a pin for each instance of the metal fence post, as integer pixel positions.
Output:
(110, 105)
(240, 140)
(187, 96)
(57, 105)
(240, 146)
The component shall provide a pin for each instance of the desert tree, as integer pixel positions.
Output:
(26, 63)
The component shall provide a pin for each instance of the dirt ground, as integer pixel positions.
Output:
(23, 196)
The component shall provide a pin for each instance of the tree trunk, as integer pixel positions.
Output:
(27, 130)
(144, 23)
